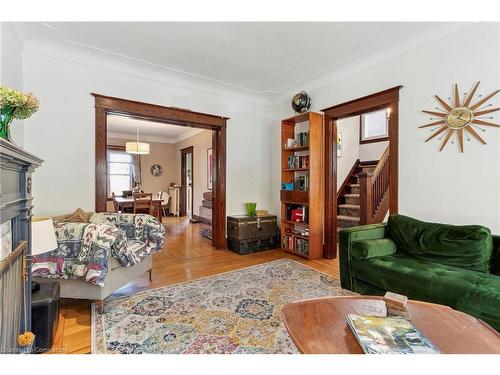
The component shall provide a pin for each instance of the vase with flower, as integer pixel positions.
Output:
(14, 105)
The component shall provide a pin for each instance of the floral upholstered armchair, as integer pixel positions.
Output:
(95, 258)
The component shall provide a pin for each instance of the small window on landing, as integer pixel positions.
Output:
(374, 126)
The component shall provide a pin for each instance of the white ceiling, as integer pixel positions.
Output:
(256, 56)
(126, 128)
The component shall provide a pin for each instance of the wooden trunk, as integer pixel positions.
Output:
(246, 227)
(250, 234)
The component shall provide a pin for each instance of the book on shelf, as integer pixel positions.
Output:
(297, 213)
(302, 182)
(302, 139)
(295, 244)
(389, 335)
(298, 162)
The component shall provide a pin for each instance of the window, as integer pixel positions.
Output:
(120, 167)
(374, 126)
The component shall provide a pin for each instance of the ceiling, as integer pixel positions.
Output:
(256, 56)
(126, 128)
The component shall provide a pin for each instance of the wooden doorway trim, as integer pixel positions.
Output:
(105, 105)
(184, 152)
(383, 99)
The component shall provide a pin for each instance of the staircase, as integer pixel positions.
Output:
(349, 200)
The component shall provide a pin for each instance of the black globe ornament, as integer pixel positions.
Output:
(301, 102)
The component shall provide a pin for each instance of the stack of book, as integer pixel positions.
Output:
(296, 161)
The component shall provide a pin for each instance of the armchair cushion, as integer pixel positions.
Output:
(82, 253)
(367, 249)
(467, 247)
(144, 233)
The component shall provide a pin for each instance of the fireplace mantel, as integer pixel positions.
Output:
(16, 205)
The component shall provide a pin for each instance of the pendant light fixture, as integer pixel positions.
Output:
(138, 148)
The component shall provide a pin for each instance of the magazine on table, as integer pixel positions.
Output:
(389, 335)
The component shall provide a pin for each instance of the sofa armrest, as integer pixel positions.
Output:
(346, 239)
(366, 249)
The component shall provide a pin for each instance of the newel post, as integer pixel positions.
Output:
(365, 198)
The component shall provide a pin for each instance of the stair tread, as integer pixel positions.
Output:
(352, 206)
(351, 195)
(355, 185)
(347, 218)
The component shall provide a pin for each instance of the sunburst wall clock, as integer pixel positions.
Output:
(459, 118)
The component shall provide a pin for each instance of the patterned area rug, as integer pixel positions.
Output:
(234, 312)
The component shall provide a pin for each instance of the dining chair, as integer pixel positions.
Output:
(143, 203)
(163, 195)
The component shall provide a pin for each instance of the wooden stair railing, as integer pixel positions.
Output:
(374, 192)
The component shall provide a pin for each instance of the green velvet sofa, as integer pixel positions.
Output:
(457, 266)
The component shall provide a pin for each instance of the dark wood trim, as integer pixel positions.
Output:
(343, 188)
(219, 189)
(364, 104)
(387, 98)
(105, 105)
(101, 163)
(330, 213)
(115, 148)
(183, 192)
(187, 150)
(375, 140)
(154, 112)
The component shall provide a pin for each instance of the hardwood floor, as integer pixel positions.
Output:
(186, 256)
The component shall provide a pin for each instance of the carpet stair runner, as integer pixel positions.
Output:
(349, 203)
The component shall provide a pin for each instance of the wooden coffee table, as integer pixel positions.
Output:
(318, 326)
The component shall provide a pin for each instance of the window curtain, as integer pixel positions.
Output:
(136, 170)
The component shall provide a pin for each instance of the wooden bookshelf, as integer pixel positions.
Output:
(310, 197)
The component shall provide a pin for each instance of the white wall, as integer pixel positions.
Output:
(62, 132)
(349, 127)
(11, 71)
(437, 186)
(372, 151)
(201, 143)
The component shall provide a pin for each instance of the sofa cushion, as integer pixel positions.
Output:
(366, 249)
(475, 293)
(468, 247)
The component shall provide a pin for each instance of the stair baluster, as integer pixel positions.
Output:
(374, 192)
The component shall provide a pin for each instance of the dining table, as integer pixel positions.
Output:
(126, 202)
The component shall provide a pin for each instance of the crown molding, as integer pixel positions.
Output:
(89, 56)
(401, 44)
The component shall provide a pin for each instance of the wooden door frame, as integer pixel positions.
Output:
(383, 99)
(105, 105)
(184, 152)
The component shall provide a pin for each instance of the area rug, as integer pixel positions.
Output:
(233, 312)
